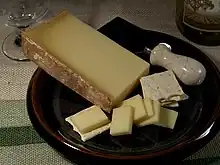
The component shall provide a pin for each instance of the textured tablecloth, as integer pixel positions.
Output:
(19, 143)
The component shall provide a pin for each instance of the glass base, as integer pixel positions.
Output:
(13, 50)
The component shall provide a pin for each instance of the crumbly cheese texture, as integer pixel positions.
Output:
(137, 103)
(162, 87)
(89, 119)
(155, 118)
(91, 134)
(101, 62)
(122, 121)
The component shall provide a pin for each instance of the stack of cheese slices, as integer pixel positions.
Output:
(104, 73)
(135, 110)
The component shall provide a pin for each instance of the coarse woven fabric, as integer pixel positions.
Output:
(19, 143)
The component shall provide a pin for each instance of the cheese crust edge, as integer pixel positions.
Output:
(64, 74)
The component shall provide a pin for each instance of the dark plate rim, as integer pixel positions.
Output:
(35, 107)
(196, 138)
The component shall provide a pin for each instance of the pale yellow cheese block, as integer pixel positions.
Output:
(89, 119)
(139, 110)
(155, 118)
(85, 60)
(148, 106)
(91, 134)
(167, 118)
(122, 121)
(162, 117)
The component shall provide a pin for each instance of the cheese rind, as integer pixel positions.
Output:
(89, 119)
(91, 134)
(155, 118)
(139, 110)
(122, 121)
(84, 60)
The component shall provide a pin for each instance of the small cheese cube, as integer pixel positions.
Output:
(136, 102)
(167, 118)
(122, 121)
(148, 106)
(155, 118)
(89, 119)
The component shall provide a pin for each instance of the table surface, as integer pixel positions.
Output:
(19, 143)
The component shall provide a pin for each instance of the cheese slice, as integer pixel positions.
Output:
(170, 103)
(162, 117)
(167, 118)
(174, 103)
(148, 106)
(122, 121)
(89, 119)
(139, 110)
(162, 87)
(155, 118)
(91, 134)
(83, 59)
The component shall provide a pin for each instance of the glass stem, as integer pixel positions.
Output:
(18, 37)
(18, 40)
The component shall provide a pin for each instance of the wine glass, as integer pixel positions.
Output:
(22, 14)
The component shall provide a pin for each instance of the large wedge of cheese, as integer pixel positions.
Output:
(83, 59)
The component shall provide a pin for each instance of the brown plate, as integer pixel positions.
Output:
(49, 102)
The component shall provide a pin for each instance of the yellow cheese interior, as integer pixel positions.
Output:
(89, 119)
(91, 134)
(161, 116)
(155, 118)
(139, 110)
(148, 106)
(102, 62)
(122, 121)
(167, 118)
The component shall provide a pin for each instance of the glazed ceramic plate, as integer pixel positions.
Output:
(50, 102)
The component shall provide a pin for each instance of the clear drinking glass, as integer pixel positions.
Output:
(22, 14)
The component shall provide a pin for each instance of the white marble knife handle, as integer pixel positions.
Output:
(188, 70)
